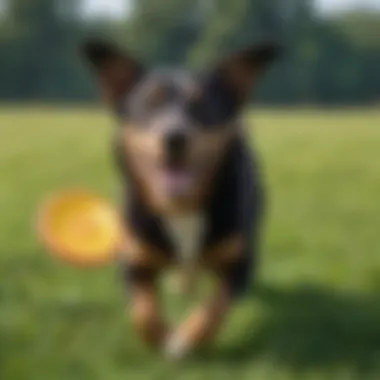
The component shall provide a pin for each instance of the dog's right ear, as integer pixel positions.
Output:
(117, 72)
(239, 72)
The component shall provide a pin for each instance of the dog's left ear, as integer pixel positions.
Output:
(116, 70)
(239, 72)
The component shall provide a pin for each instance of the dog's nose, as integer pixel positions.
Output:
(176, 143)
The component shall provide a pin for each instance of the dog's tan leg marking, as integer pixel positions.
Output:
(136, 252)
(204, 322)
(144, 307)
(200, 326)
(146, 315)
(225, 252)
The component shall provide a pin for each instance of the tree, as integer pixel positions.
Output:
(163, 31)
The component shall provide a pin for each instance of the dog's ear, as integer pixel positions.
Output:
(239, 72)
(116, 70)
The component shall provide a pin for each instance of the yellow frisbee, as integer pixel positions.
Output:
(79, 227)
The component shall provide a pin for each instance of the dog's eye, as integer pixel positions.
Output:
(202, 111)
(195, 108)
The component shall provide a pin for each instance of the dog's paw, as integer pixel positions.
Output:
(175, 349)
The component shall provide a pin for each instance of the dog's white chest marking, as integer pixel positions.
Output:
(186, 232)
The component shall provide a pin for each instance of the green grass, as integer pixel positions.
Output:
(314, 313)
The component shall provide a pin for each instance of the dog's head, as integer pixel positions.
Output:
(175, 124)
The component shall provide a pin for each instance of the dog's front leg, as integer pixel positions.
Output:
(200, 326)
(145, 314)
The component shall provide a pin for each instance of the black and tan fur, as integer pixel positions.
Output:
(181, 148)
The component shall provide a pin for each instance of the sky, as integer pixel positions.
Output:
(118, 7)
(337, 5)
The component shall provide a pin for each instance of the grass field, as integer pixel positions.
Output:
(314, 313)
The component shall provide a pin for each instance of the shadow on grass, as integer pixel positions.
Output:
(302, 328)
(310, 327)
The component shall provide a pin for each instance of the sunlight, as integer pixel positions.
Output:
(106, 8)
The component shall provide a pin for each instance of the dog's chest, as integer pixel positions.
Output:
(187, 235)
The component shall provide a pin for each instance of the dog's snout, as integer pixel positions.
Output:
(176, 143)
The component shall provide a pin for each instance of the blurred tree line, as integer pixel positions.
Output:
(327, 60)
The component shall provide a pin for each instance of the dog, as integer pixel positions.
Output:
(193, 194)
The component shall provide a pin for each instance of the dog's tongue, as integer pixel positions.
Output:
(177, 182)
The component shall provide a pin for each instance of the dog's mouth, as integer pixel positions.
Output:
(178, 180)
(175, 180)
